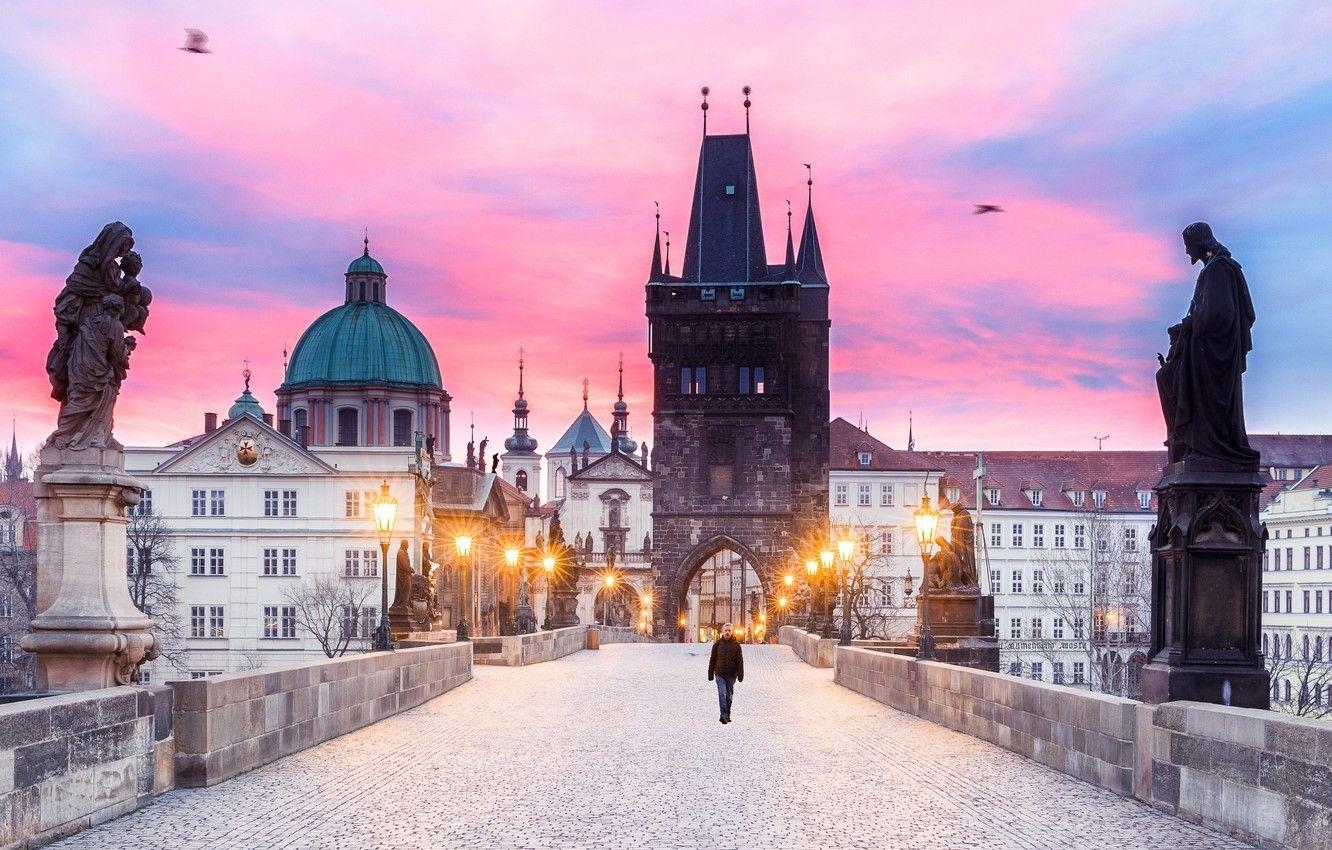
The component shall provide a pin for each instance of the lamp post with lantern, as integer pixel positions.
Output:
(463, 544)
(605, 605)
(927, 520)
(846, 550)
(811, 573)
(826, 558)
(548, 564)
(385, 511)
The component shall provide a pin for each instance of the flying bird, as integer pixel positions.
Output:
(982, 209)
(196, 41)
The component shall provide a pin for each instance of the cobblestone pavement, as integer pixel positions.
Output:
(621, 748)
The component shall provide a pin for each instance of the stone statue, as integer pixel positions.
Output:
(471, 454)
(96, 275)
(402, 585)
(494, 464)
(430, 446)
(95, 364)
(481, 454)
(137, 296)
(1201, 378)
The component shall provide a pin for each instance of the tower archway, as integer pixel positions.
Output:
(721, 580)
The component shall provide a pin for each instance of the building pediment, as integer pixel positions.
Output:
(245, 446)
(612, 467)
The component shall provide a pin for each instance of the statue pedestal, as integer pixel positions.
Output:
(87, 633)
(1207, 554)
(566, 607)
(953, 613)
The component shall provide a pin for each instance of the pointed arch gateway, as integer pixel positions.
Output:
(722, 578)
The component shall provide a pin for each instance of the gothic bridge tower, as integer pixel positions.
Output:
(739, 351)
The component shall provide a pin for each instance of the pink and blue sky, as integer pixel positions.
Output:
(505, 158)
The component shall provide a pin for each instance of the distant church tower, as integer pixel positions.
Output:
(13, 463)
(522, 465)
(739, 350)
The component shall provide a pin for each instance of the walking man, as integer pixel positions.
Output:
(727, 665)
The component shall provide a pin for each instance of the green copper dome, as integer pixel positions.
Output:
(363, 342)
(365, 264)
(246, 403)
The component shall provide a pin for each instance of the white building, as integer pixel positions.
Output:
(1297, 593)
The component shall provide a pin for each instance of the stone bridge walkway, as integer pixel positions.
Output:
(621, 748)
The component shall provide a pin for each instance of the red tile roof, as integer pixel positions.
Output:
(846, 441)
(1122, 475)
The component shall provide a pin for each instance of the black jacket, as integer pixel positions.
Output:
(727, 660)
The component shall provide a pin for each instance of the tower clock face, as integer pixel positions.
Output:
(246, 451)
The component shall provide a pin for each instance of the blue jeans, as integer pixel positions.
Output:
(725, 691)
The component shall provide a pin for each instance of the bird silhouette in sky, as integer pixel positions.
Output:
(982, 209)
(196, 41)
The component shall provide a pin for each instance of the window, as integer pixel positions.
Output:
(1079, 536)
(1036, 496)
(559, 483)
(752, 381)
(1038, 581)
(1098, 498)
(1059, 535)
(1015, 628)
(1038, 670)
(349, 426)
(1079, 584)
(1276, 559)
(1057, 628)
(217, 502)
(1145, 499)
(1079, 672)
(1265, 609)
(709, 293)
(289, 503)
(1290, 556)
(992, 496)
(1038, 535)
(1306, 556)
(911, 495)
(737, 293)
(520, 480)
(198, 503)
(693, 380)
(359, 622)
(358, 563)
(996, 535)
(1017, 581)
(886, 501)
(279, 621)
(1320, 555)
(1057, 671)
(1318, 602)
(352, 505)
(1306, 607)
(1130, 539)
(197, 621)
(402, 427)
(1037, 627)
(217, 621)
(6, 649)
(1015, 668)
(198, 562)
(863, 496)
(6, 606)
(216, 562)
(1079, 498)
(996, 579)
(888, 541)
(864, 459)
(299, 426)
(840, 495)
(1289, 595)
(279, 562)
(1079, 628)
(270, 503)
(1057, 582)
(1017, 535)
(145, 505)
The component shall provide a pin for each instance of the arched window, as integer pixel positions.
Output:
(520, 479)
(299, 424)
(349, 426)
(1265, 652)
(614, 516)
(402, 427)
(1318, 648)
(1287, 651)
(1285, 687)
(1304, 650)
(559, 483)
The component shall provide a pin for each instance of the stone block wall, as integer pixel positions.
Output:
(809, 647)
(72, 761)
(1259, 775)
(233, 723)
(539, 647)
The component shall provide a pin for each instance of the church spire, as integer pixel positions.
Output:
(585, 394)
(911, 436)
(668, 253)
(790, 272)
(655, 273)
(521, 441)
(620, 441)
(13, 463)
(810, 260)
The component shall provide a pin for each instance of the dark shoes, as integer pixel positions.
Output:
(726, 718)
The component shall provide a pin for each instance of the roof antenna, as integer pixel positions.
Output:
(746, 90)
(668, 252)
(704, 91)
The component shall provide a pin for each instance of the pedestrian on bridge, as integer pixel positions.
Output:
(727, 665)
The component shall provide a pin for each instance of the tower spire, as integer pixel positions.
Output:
(620, 441)
(619, 394)
(521, 442)
(790, 272)
(585, 394)
(520, 373)
(367, 243)
(810, 259)
(668, 252)
(704, 91)
(911, 435)
(655, 273)
(13, 465)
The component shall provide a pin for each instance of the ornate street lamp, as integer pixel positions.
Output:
(927, 520)
(463, 543)
(385, 511)
(548, 563)
(846, 550)
(511, 556)
(605, 606)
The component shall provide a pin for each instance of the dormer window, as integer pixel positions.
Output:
(1079, 498)
(730, 190)
(1036, 497)
(707, 293)
(1145, 499)
(864, 459)
(992, 496)
(1098, 498)
(737, 293)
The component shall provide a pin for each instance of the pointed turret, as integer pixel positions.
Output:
(13, 463)
(654, 274)
(810, 262)
(521, 442)
(620, 441)
(790, 271)
(725, 243)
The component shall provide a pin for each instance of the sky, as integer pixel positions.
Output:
(505, 158)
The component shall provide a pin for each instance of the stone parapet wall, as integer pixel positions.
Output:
(229, 724)
(809, 647)
(72, 761)
(539, 647)
(1258, 775)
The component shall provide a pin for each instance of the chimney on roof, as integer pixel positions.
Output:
(268, 419)
(284, 427)
(210, 423)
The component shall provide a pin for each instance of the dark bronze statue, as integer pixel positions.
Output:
(1201, 378)
(402, 584)
(481, 455)
(953, 565)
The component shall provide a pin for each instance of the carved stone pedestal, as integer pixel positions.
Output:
(87, 633)
(1207, 553)
(566, 605)
(953, 613)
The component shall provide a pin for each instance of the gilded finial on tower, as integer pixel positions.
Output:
(809, 180)
(520, 373)
(668, 251)
(619, 395)
(585, 393)
(704, 91)
(367, 242)
(746, 90)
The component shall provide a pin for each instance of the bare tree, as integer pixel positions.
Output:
(1303, 685)
(330, 608)
(875, 611)
(151, 566)
(18, 605)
